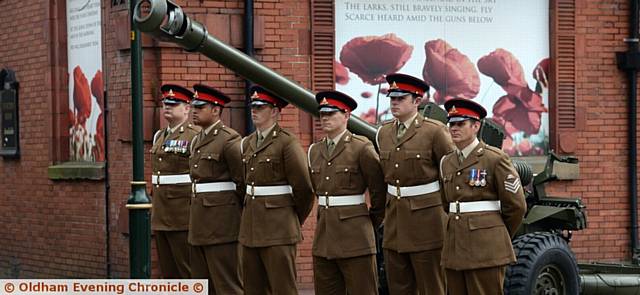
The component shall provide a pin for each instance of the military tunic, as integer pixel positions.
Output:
(344, 240)
(270, 224)
(479, 243)
(215, 215)
(414, 225)
(170, 211)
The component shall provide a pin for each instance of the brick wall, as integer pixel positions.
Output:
(603, 142)
(49, 229)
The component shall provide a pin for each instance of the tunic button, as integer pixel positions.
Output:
(254, 155)
(398, 197)
(253, 183)
(251, 169)
(346, 169)
(158, 172)
(209, 157)
(160, 159)
(268, 160)
(198, 151)
(157, 185)
(458, 173)
(326, 193)
(312, 171)
(397, 149)
(329, 164)
(457, 217)
(254, 197)
(195, 166)
(397, 180)
(397, 165)
(327, 178)
(418, 156)
(457, 187)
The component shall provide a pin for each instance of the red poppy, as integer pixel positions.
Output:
(525, 147)
(373, 57)
(98, 148)
(366, 94)
(508, 146)
(342, 74)
(81, 95)
(521, 108)
(97, 87)
(369, 116)
(541, 74)
(450, 72)
(384, 90)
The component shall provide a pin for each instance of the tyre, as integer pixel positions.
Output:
(544, 265)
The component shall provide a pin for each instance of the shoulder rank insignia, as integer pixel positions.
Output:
(512, 184)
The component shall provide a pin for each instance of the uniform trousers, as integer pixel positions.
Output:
(220, 264)
(480, 281)
(173, 254)
(341, 276)
(414, 272)
(269, 270)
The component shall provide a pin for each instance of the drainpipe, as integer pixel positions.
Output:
(107, 186)
(629, 61)
(248, 50)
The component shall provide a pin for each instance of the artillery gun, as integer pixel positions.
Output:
(545, 263)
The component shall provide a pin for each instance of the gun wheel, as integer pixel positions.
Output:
(544, 265)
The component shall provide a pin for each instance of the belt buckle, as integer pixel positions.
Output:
(457, 207)
(398, 191)
(193, 189)
(326, 202)
(253, 191)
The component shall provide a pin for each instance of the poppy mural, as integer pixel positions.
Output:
(479, 50)
(86, 84)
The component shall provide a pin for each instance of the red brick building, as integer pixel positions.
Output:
(55, 224)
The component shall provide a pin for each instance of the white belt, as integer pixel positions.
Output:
(270, 190)
(408, 191)
(478, 206)
(212, 187)
(346, 200)
(170, 179)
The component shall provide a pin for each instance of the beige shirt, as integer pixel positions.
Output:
(467, 150)
(266, 131)
(206, 131)
(407, 123)
(337, 138)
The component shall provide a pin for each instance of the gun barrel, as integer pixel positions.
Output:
(166, 21)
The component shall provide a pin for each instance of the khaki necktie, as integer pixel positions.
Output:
(460, 156)
(260, 139)
(401, 130)
(330, 146)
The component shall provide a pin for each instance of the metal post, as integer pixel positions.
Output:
(138, 202)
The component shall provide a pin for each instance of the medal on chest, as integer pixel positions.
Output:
(477, 177)
(176, 146)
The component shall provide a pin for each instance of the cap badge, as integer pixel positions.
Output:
(171, 93)
(255, 95)
(324, 101)
(453, 110)
(195, 94)
(394, 85)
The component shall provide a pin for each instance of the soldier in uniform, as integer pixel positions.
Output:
(171, 183)
(343, 166)
(486, 204)
(216, 206)
(411, 147)
(278, 199)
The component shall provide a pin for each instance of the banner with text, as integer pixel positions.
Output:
(84, 51)
(495, 52)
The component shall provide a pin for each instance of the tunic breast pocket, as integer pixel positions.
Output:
(209, 160)
(269, 168)
(315, 174)
(418, 161)
(347, 176)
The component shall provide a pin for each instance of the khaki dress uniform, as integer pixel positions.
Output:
(278, 199)
(485, 203)
(414, 216)
(172, 191)
(216, 206)
(344, 242)
(478, 246)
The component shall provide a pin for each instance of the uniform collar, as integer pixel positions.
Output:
(172, 130)
(206, 131)
(408, 122)
(468, 149)
(337, 138)
(265, 132)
